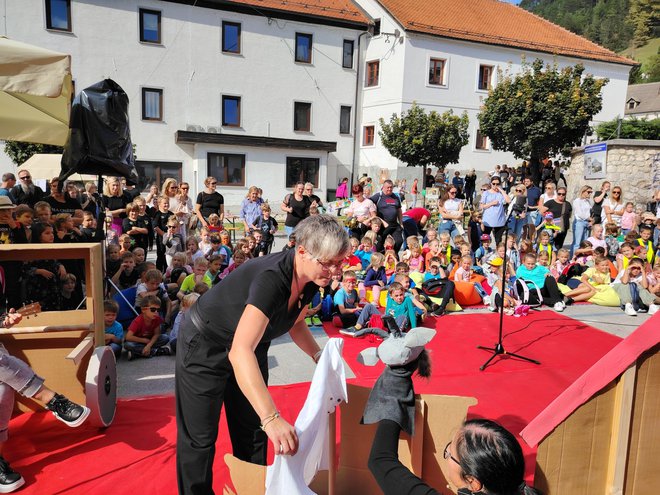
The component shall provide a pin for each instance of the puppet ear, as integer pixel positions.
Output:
(368, 357)
(419, 337)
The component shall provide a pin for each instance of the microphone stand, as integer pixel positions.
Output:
(499, 349)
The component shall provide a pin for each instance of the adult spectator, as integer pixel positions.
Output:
(561, 211)
(61, 202)
(458, 181)
(506, 178)
(518, 219)
(450, 209)
(362, 208)
(296, 205)
(114, 202)
(91, 200)
(250, 209)
(388, 209)
(184, 208)
(429, 178)
(599, 198)
(313, 198)
(440, 177)
(74, 192)
(470, 186)
(414, 191)
(170, 189)
(549, 192)
(492, 205)
(26, 192)
(209, 201)
(533, 197)
(152, 197)
(581, 216)
(130, 190)
(614, 206)
(415, 220)
(8, 182)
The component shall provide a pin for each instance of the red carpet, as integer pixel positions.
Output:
(137, 452)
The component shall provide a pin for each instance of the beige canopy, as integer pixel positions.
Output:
(46, 166)
(35, 93)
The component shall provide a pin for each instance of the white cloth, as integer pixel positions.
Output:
(581, 209)
(293, 474)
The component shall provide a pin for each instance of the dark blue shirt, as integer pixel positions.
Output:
(533, 195)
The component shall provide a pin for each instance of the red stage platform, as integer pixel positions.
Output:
(137, 453)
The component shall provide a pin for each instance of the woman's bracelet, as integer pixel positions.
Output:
(269, 419)
(317, 356)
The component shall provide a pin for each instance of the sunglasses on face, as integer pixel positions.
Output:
(519, 190)
(154, 309)
(616, 192)
(25, 177)
(495, 183)
(561, 194)
(212, 183)
(215, 241)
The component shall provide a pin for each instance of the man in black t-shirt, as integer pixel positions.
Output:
(26, 192)
(61, 202)
(429, 178)
(388, 209)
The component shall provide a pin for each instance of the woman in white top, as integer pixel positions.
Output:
(581, 216)
(451, 212)
(550, 192)
(614, 206)
(362, 208)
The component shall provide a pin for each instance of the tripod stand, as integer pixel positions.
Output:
(499, 349)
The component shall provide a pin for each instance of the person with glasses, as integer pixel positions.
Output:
(599, 197)
(451, 213)
(296, 206)
(614, 206)
(182, 207)
(492, 205)
(581, 217)
(26, 192)
(144, 337)
(209, 201)
(388, 209)
(533, 217)
(518, 219)
(114, 202)
(251, 210)
(313, 198)
(222, 351)
(561, 213)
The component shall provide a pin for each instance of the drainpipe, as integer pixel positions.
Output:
(356, 132)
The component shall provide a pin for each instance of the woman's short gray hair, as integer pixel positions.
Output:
(322, 237)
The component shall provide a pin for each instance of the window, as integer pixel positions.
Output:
(156, 172)
(347, 57)
(302, 116)
(58, 15)
(231, 111)
(302, 170)
(152, 104)
(632, 104)
(304, 48)
(345, 120)
(485, 77)
(376, 27)
(373, 68)
(150, 26)
(481, 141)
(228, 169)
(368, 135)
(437, 72)
(231, 37)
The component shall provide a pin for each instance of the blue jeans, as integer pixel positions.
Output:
(137, 347)
(288, 231)
(516, 225)
(447, 226)
(580, 233)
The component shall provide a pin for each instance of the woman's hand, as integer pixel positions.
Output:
(44, 273)
(283, 436)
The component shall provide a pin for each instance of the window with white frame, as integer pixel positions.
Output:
(373, 73)
(481, 141)
(368, 135)
(58, 15)
(304, 48)
(437, 72)
(302, 116)
(485, 81)
(152, 104)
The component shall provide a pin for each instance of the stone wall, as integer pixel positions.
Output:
(629, 164)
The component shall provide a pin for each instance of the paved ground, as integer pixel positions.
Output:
(288, 364)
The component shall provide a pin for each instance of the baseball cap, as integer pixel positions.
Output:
(485, 237)
(549, 216)
(496, 261)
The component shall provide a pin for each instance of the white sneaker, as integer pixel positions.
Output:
(629, 310)
(492, 308)
(653, 309)
(559, 307)
(487, 300)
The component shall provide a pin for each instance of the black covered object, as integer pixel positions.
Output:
(99, 140)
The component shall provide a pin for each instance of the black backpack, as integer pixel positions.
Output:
(434, 287)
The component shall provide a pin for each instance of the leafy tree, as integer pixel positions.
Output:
(629, 129)
(20, 152)
(540, 111)
(421, 139)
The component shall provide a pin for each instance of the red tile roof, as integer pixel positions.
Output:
(497, 23)
(344, 10)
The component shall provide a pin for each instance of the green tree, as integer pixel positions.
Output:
(540, 111)
(421, 139)
(642, 17)
(629, 129)
(20, 152)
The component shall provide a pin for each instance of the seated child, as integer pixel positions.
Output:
(239, 258)
(144, 337)
(221, 250)
(291, 242)
(543, 259)
(596, 238)
(140, 255)
(402, 269)
(413, 255)
(376, 227)
(545, 244)
(562, 262)
(464, 273)
(153, 286)
(364, 252)
(346, 301)
(199, 275)
(187, 301)
(445, 248)
(22, 232)
(512, 253)
(214, 271)
(67, 299)
(65, 229)
(205, 240)
(112, 260)
(135, 226)
(434, 270)
(125, 244)
(390, 256)
(375, 278)
(584, 255)
(645, 240)
(626, 253)
(534, 275)
(634, 289)
(127, 276)
(192, 250)
(594, 279)
(612, 240)
(431, 235)
(114, 333)
(172, 240)
(483, 250)
(496, 271)
(547, 226)
(260, 246)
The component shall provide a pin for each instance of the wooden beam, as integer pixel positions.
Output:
(79, 352)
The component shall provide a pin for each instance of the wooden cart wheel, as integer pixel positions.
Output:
(101, 386)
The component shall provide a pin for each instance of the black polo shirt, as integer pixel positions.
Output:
(387, 207)
(69, 205)
(263, 282)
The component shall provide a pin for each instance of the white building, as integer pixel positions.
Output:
(643, 101)
(444, 55)
(251, 92)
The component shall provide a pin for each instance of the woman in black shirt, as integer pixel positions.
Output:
(296, 205)
(114, 203)
(209, 201)
(222, 356)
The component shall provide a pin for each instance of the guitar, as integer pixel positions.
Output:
(25, 311)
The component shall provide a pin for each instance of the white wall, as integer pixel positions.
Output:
(193, 73)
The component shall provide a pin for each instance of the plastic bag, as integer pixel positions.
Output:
(99, 140)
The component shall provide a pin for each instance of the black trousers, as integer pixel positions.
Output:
(396, 231)
(204, 382)
(498, 232)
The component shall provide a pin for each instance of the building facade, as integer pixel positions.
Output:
(253, 92)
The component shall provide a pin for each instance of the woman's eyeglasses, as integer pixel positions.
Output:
(447, 454)
(212, 183)
(519, 190)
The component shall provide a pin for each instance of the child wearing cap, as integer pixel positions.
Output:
(548, 226)
(484, 249)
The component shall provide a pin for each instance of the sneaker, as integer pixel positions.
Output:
(568, 301)
(559, 306)
(486, 300)
(316, 321)
(492, 308)
(163, 351)
(438, 311)
(629, 310)
(348, 331)
(308, 321)
(129, 355)
(66, 411)
(653, 309)
(10, 480)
